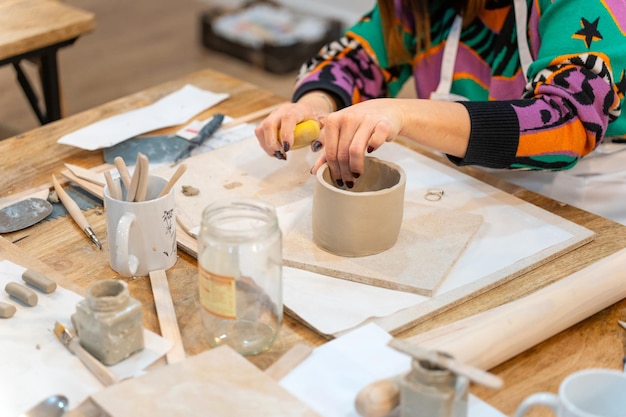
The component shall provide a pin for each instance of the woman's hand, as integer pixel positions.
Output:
(275, 133)
(351, 132)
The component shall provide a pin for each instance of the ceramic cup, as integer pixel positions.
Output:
(587, 393)
(364, 220)
(141, 235)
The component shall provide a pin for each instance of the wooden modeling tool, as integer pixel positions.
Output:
(123, 170)
(167, 315)
(75, 212)
(114, 189)
(142, 186)
(86, 174)
(100, 371)
(177, 174)
(134, 181)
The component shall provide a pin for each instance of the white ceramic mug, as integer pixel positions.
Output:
(141, 235)
(587, 393)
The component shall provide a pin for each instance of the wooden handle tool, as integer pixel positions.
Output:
(123, 170)
(114, 189)
(100, 371)
(142, 185)
(167, 315)
(75, 212)
(177, 174)
(135, 182)
(488, 339)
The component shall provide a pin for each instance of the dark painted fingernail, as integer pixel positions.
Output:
(339, 183)
(370, 149)
(316, 145)
(286, 146)
(349, 184)
(356, 174)
(279, 155)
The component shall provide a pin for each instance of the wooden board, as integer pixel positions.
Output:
(217, 382)
(429, 243)
(10, 252)
(243, 169)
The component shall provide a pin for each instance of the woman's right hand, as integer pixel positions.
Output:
(275, 133)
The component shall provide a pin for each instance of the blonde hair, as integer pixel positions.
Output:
(396, 50)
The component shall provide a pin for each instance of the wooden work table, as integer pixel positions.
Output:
(35, 30)
(28, 160)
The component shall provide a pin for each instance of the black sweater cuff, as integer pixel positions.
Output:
(341, 98)
(494, 135)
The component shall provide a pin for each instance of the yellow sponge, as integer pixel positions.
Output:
(305, 133)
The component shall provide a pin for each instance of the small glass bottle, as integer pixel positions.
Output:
(109, 322)
(240, 274)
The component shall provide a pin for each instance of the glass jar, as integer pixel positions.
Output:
(240, 274)
(109, 321)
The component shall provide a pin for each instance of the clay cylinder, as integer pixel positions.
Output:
(109, 321)
(364, 220)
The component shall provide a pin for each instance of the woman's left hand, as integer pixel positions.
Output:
(351, 132)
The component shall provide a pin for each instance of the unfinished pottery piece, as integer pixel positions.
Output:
(364, 220)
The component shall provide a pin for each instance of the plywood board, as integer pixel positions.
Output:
(510, 223)
(244, 170)
(429, 243)
(217, 382)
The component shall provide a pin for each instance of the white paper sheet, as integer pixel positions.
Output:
(330, 379)
(511, 234)
(508, 235)
(34, 364)
(171, 110)
(347, 305)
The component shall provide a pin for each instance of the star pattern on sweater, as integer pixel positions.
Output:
(589, 32)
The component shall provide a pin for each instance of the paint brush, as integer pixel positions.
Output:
(100, 371)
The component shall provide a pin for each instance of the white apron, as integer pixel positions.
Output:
(596, 184)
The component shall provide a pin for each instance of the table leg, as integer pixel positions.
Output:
(49, 76)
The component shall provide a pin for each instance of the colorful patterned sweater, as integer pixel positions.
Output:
(572, 102)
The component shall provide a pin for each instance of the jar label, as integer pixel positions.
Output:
(218, 294)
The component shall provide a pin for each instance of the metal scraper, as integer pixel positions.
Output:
(23, 214)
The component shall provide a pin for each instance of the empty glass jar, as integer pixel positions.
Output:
(240, 274)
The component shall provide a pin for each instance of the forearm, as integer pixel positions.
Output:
(321, 101)
(439, 125)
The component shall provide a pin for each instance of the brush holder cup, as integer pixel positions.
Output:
(364, 220)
